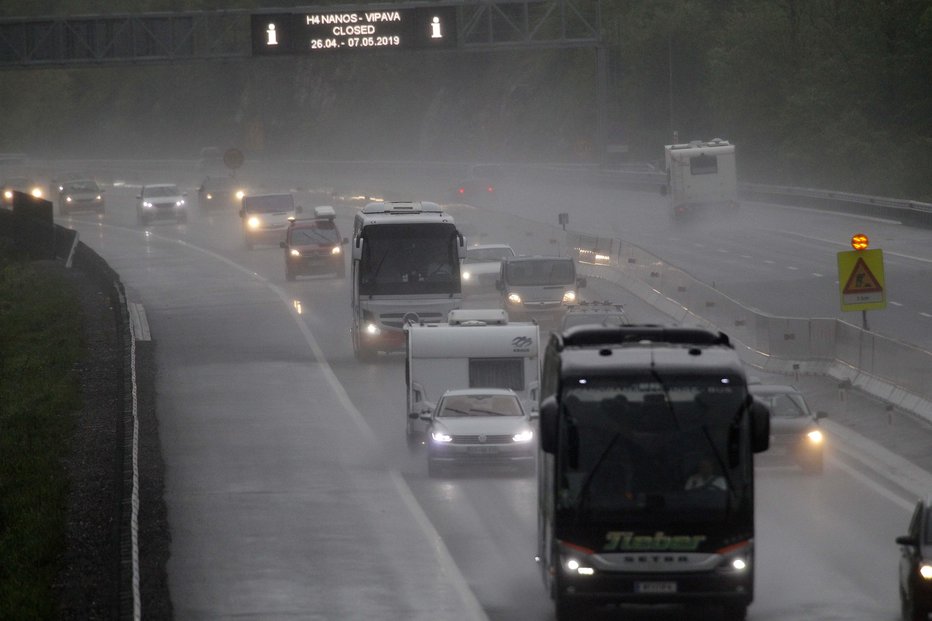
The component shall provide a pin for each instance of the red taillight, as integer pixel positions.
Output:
(490, 189)
(461, 190)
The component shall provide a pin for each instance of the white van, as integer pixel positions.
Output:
(475, 348)
(266, 218)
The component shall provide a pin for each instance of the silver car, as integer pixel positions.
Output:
(480, 426)
(481, 267)
(162, 201)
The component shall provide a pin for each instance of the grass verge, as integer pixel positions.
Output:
(40, 346)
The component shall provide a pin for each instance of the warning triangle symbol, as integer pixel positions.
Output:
(862, 280)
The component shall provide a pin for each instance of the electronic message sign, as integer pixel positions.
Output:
(336, 31)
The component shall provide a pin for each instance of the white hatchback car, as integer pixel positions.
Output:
(480, 426)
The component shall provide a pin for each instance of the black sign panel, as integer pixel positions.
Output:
(338, 31)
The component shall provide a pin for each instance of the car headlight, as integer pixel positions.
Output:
(98, 198)
(8, 194)
(440, 436)
(210, 196)
(253, 222)
(146, 204)
(815, 436)
(569, 297)
(294, 252)
(336, 250)
(373, 329)
(523, 436)
(37, 192)
(466, 275)
(925, 570)
(179, 203)
(514, 298)
(240, 194)
(67, 199)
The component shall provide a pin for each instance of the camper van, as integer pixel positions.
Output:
(475, 348)
(700, 177)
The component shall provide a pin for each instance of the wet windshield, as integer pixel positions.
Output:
(278, 203)
(409, 258)
(645, 448)
(460, 406)
(318, 233)
(483, 255)
(161, 190)
(82, 186)
(541, 272)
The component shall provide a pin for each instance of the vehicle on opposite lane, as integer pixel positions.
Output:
(795, 433)
(161, 201)
(915, 570)
(479, 426)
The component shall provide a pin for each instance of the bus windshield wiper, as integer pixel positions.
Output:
(583, 498)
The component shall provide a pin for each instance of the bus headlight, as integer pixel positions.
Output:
(925, 570)
(372, 329)
(514, 298)
(336, 250)
(569, 297)
(253, 222)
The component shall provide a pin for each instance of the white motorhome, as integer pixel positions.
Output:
(475, 348)
(700, 176)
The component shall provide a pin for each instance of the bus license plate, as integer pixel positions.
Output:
(655, 587)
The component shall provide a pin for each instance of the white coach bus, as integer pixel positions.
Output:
(406, 268)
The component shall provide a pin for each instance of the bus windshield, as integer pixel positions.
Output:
(540, 272)
(417, 258)
(659, 451)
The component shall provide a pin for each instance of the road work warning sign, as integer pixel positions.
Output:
(861, 280)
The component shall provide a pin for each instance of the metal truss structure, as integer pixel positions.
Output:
(204, 35)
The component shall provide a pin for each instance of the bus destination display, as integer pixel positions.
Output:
(312, 33)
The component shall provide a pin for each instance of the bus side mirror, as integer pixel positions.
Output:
(460, 246)
(549, 419)
(357, 249)
(760, 427)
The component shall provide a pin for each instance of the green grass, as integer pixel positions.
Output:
(40, 343)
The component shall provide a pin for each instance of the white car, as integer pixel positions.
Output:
(162, 201)
(481, 267)
(479, 426)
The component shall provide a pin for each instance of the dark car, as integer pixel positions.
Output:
(81, 195)
(916, 564)
(218, 193)
(314, 245)
(795, 433)
(602, 313)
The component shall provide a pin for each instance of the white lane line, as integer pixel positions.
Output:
(472, 608)
(746, 256)
(792, 268)
(927, 315)
(895, 303)
(817, 274)
(769, 261)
